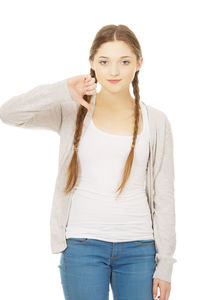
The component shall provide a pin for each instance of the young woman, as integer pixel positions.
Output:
(113, 212)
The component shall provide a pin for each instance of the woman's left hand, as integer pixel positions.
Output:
(164, 286)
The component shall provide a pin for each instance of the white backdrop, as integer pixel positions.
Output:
(46, 41)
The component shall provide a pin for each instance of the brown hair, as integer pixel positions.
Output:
(106, 34)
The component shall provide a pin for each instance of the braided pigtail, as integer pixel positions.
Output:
(73, 169)
(129, 161)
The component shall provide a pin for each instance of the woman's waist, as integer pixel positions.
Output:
(95, 191)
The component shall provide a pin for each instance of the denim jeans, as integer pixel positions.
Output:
(88, 267)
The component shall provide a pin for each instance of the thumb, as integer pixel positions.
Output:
(155, 288)
(80, 100)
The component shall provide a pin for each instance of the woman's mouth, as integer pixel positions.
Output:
(114, 80)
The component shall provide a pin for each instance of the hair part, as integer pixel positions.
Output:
(107, 33)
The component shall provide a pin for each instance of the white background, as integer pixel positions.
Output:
(46, 41)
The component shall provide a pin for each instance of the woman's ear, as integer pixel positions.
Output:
(91, 64)
(139, 64)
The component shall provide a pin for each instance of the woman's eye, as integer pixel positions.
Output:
(126, 61)
(102, 61)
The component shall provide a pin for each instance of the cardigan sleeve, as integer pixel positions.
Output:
(38, 108)
(164, 218)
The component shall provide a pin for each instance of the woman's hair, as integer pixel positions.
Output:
(107, 33)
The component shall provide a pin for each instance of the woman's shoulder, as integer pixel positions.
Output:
(155, 113)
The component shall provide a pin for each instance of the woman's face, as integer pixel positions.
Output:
(115, 60)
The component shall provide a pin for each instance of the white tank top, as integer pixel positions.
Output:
(95, 210)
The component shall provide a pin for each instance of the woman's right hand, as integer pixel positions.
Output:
(82, 85)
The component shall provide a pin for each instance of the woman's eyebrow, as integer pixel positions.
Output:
(120, 57)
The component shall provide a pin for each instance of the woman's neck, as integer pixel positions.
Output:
(115, 102)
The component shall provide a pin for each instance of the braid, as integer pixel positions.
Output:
(129, 161)
(135, 84)
(73, 166)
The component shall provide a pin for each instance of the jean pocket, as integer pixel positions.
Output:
(77, 241)
(144, 242)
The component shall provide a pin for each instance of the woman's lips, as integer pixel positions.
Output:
(114, 81)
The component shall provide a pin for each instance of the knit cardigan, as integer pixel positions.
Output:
(51, 107)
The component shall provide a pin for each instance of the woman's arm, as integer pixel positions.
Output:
(37, 108)
(164, 205)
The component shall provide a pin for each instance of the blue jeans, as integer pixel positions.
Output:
(87, 267)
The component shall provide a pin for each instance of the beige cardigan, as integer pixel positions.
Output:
(51, 107)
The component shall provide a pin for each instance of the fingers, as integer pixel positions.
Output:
(164, 291)
(90, 85)
(89, 78)
(155, 292)
(168, 294)
(164, 294)
(91, 89)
